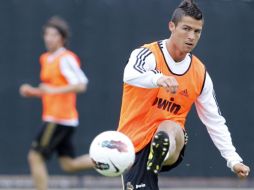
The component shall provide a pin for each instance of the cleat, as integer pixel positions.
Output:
(158, 152)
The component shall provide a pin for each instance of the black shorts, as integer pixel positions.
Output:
(139, 178)
(52, 138)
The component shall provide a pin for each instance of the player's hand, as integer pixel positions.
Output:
(26, 90)
(169, 83)
(241, 170)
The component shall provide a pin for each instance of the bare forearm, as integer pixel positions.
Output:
(77, 88)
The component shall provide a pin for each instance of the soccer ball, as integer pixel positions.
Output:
(112, 153)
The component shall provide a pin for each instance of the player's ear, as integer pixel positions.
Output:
(171, 26)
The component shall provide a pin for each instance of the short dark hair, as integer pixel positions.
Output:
(61, 25)
(187, 8)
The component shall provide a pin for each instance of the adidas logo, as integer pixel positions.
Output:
(184, 93)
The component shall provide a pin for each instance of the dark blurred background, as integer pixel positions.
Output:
(104, 32)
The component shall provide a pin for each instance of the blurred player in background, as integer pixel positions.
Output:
(162, 80)
(61, 79)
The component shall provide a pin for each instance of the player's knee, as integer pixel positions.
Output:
(30, 157)
(33, 157)
(169, 127)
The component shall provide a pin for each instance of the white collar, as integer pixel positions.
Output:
(53, 55)
(176, 67)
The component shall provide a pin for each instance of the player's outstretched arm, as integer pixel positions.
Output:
(77, 88)
(26, 90)
(241, 170)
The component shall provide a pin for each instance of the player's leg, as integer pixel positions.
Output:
(137, 177)
(69, 164)
(66, 153)
(38, 170)
(40, 151)
(166, 146)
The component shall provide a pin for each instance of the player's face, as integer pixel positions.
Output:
(52, 39)
(186, 33)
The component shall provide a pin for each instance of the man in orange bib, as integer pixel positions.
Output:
(61, 78)
(162, 80)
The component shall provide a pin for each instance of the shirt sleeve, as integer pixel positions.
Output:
(141, 70)
(71, 71)
(209, 113)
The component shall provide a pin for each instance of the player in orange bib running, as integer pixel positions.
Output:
(61, 78)
(162, 80)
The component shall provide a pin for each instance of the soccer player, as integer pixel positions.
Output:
(61, 79)
(162, 80)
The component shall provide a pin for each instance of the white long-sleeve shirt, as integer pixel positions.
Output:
(70, 69)
(141, 71)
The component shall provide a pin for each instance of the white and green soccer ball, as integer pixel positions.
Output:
(112, 152)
